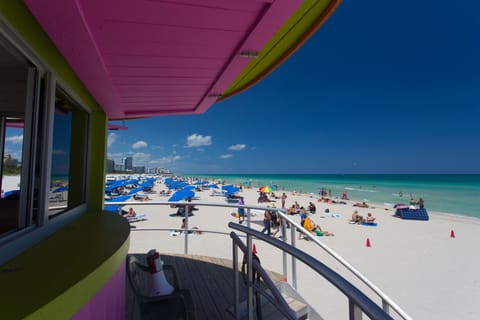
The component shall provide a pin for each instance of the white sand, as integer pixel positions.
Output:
(416, 263)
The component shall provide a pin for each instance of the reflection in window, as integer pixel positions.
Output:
(11, 171)
(67, 188)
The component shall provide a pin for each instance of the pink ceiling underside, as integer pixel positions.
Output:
(141, 58)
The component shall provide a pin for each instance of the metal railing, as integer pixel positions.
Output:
(387, 303)
(357, 301)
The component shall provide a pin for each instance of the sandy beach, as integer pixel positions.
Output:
(418, 264)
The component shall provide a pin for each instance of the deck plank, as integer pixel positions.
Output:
(209, 280)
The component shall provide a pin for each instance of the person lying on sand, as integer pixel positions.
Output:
(361, 205)
(310, 225)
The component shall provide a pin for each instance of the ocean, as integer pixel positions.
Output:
(448, 193)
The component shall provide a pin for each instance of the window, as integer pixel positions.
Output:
(68, 155)
(14, 98)
(44, 146)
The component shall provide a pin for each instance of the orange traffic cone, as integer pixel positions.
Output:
(452, 234)
(368, 243)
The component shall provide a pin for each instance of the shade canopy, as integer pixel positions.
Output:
(181, 194)
(143, 58)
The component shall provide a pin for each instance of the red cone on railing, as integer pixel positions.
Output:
(452, 234)
(254, 249)
(368, 244)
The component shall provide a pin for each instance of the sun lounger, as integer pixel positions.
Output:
(217, 193)
(412, 214)
(138, 217)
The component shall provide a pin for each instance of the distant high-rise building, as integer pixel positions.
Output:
(129, 163)
(139, 169)
(110, 165)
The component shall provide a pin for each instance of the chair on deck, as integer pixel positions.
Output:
(177, 305)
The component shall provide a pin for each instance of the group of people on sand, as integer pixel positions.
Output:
(357, 218)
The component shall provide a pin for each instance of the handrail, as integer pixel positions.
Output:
(387, 302)
(369, 307)
(281, 304)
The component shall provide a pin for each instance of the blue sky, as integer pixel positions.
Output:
(382, 87)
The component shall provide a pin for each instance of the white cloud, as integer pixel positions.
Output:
(15, 139)
(197, 140)
(167, 159)
(139, 144)
(112, 137)
(140, 158)
(226, 156)
(237, 147)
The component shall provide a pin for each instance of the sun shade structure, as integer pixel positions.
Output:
(144, 58)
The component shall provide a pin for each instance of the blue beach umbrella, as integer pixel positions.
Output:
(60, 189)
(231, 191)
(181, 195)
(135, 190)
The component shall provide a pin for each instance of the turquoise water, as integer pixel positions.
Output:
(454, 194)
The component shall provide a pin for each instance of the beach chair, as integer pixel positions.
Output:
(177, 305)
(138, 217)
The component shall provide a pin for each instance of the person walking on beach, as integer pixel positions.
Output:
(241, 211)
(284, 197)
(266, 223)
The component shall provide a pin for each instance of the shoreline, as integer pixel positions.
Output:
(447, 193)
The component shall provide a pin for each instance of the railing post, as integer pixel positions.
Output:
(385, 306)
(284, 254)
(236, 284)
(249, 278)
(248, 217)
(354, 312)
(187, 213)
(294, 261)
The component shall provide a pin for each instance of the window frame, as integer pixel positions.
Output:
(37, 144)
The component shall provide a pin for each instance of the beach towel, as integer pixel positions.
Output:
(370, 224)
(332, 215)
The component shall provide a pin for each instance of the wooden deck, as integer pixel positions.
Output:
(209, 280)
